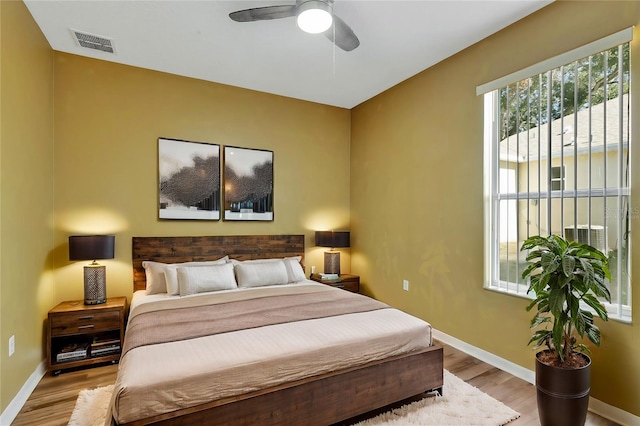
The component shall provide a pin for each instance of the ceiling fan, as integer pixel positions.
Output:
(313, 16)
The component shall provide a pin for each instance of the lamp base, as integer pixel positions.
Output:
(332, 262)
(95, 285)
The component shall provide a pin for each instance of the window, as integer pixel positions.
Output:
(557, 139)
(557, 178)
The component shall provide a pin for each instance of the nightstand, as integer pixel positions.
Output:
(81, 335)
(346, 282)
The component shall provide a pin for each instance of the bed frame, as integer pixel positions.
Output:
(320, 400)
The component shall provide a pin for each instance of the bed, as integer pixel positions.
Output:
(295, 352)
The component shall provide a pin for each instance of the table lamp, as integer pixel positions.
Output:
(332, 239)
(93, 247)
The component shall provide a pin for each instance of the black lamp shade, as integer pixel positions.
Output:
(333, 239)
(91, 247)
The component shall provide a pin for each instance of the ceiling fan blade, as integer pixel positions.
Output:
(263, 13)
(345, 38)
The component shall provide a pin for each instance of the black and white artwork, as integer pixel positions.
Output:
(248, 184)
(189, 176)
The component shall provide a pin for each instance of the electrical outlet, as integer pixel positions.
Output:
(12, 345)
(313, 269)
(405, 285)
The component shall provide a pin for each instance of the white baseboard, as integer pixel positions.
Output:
(491, 359)
(613, 413)
(596, 406)
(16, 404)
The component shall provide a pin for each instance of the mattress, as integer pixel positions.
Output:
(158, 378)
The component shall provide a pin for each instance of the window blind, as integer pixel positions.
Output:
(605, 43)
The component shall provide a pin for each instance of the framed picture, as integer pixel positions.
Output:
(248, 184)
(189, 180)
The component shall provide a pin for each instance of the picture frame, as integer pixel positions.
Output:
(248, 184)
(188, 180)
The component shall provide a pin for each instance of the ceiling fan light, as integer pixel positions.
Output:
(314, 17)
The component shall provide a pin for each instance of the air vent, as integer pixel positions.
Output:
(92, 41)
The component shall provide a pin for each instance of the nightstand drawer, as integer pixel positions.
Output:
(83, 322)
(352, 286)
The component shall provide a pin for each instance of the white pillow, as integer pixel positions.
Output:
(295, 273)
(273, 259)
(257, 274)
(154, 271)
(294, 269)
(155, 277)
(198, 279)
(171, 273)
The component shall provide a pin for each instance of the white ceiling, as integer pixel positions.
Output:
(197, 39)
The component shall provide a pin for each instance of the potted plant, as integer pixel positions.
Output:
(566, 278)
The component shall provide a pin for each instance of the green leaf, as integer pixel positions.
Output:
(600, 288)
(556, 300)
(540, 337)
(543, 281)
(535, 254)
(579, 322)
(532, 304)
(539, 319)
(593, 333)
(568, 265)
(582, 348)
(533, 241)
(559, 244)
(549, 262)
(562, 280)
(531, 268)
(596, 305)
(589, 273)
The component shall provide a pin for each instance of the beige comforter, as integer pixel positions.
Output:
(187, 351)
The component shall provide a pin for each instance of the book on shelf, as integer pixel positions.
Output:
(98, 343)
(73, 352)
(105, 350)
(105, 346)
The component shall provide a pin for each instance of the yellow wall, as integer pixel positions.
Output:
(108, 120)
(417, 194)
(26, 194)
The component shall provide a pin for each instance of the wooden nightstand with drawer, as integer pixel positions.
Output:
(82, 335)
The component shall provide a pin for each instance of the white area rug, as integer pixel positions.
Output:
(462, 404)
(91, 407)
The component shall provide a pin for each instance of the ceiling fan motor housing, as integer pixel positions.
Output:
(314, 16)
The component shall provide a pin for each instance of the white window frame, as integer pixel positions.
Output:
(616, 311)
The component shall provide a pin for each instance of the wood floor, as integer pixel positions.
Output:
(52, 402)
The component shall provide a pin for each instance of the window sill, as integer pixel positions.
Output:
(511, 289)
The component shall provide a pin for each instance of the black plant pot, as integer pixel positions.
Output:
(563, 394)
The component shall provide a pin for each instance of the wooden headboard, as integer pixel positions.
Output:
(190, 249)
